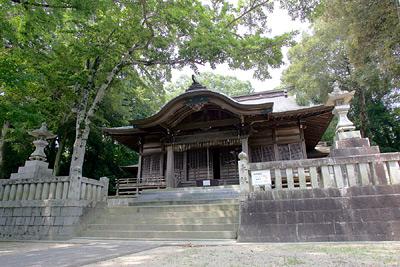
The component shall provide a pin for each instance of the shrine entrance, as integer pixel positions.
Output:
(210, 166)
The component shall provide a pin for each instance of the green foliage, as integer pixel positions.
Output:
(357, 45)
(56, 54)
(228, 85)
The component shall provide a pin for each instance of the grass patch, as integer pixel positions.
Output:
(290, 261)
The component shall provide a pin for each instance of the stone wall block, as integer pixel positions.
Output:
(55, 211)
(352, 214)
(295, 194)
(17, 212)
(27, 211)
(48, 220)
(59, 220)
(319, 193)
(8, 211)
(71, 220)
(19, 221)
(38, 221)
(71, 211)
(396, 188)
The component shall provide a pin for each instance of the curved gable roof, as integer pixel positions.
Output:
(191, 101)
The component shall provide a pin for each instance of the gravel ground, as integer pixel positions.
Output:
(323, 254)
(107, 253)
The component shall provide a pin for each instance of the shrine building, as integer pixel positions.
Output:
(195, 139)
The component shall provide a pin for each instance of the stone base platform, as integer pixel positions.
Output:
(43, 219)
(366, 213)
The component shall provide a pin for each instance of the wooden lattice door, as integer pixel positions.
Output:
(199, 163)
(228, 163)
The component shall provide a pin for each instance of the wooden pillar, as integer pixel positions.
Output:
(275, 144)
(169, 173)
(139, 173)
(185, 167)
(303, 141)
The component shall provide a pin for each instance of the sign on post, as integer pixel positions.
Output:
(206, 183)
(261, 178)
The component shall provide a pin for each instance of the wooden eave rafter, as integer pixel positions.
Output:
(301, 113)
(182, 106)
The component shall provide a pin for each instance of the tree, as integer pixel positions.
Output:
(228, 85)
(165, 35)
(104, 42)
(355, 44)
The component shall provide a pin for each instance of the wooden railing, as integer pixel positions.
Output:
(61, 187)
(327, 172)
(133, 186)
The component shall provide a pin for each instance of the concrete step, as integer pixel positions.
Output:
(190, 193)
(183, 202)
(173, 208)
(183, 214)
(186, 196)
(174, 220)
(161, 234)
(170, 214)
(193, 189)
(163, 227)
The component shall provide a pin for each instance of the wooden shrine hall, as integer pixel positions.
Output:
(195, 138)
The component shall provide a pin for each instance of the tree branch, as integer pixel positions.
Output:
(252, 8)
(26, 3)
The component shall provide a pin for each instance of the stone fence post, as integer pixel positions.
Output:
(75, 184)
(104, 193)
(244, 176)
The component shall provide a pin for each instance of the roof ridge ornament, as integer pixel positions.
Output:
(195, 85)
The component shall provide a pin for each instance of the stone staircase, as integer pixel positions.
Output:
(170, 214)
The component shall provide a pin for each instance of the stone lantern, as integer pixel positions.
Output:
(348, 140)
(36, 166)
(341, 100)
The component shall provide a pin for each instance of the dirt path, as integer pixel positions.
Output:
(333, 254)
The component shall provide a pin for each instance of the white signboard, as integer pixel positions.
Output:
(261, 178)
(206, 182)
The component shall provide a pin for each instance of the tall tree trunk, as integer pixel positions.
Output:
(4, 130)
(61, 145)
(79, 148)
(84, 117)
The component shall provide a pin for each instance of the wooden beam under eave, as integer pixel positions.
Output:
(206, 124)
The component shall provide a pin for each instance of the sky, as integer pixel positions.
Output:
(280, 22)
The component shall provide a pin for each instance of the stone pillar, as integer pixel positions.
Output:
(169, 173)
(104, 193)
(74, 190)
(245, 144)
(244, 176)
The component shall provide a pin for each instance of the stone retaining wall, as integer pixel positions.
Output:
(43, 219)
(348, 214)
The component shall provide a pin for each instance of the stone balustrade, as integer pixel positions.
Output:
(338, 172)
(53, 188)
(93, 189)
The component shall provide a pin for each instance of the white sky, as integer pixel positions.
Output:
(279, 23)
